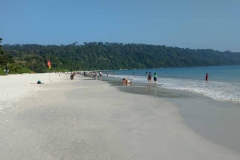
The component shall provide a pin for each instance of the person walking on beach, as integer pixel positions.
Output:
(149, 77)
(72, 75)
(155, 77)
(100, 74)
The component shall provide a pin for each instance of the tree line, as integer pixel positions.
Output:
(110, 56)
(8, 63)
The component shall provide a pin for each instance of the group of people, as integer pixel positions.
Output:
(127, 81)
(150, 77)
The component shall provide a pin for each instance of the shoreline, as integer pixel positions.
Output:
(88, 119)
(214, 120)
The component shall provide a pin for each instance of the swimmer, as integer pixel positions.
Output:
(126, 81)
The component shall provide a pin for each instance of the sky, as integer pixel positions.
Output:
(194, 24)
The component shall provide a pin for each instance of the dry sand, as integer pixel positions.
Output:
(88, 119)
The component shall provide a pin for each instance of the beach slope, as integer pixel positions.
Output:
(90, 120)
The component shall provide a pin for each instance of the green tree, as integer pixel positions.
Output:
(100, 55)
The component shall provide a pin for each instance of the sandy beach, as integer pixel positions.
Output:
(89, 119)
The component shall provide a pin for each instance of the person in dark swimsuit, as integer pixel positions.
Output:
(155, 77)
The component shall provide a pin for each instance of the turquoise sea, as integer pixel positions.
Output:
(223, 83)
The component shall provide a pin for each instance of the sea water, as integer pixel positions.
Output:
(223, 83)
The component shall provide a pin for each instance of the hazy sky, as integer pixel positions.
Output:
(196, 24)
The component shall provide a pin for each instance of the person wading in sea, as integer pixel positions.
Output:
(155, 77)
(206, 78)
(149, 77)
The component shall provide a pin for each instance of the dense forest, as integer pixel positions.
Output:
(110, 56)
(7, 63)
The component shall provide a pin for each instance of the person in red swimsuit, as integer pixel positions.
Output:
(206, 77)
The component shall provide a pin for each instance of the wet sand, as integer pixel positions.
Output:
(217, 121)
(90, 119)
(214, 120)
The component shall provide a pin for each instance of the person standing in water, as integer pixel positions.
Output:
(149, 77)
(206, 78)
(155, 77)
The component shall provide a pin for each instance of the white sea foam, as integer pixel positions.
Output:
(221, 91)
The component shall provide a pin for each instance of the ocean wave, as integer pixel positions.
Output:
(221, 91)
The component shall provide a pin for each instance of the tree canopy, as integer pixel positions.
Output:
(113, 56)
(7, 62)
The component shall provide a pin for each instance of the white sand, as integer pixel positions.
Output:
(15, 88)
(88, 119)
